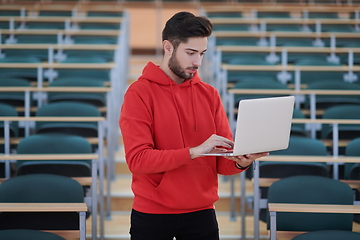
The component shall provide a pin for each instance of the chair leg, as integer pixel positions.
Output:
(272, 225)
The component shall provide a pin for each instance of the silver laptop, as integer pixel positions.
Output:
(263, 125)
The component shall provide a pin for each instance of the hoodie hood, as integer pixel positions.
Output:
(153, 73)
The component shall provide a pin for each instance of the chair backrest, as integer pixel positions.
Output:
(297, 146)
(352, 170)
(54, 143)
(314, 60)
(260, 84)
(45, 188)
(13, 98)
(7, 110)
(16, 234)
(40, 188)
(326, 101)
(68, 109)
(346, 131)
(328, 235)
(311, 190)
(97, 99)
(298, 129)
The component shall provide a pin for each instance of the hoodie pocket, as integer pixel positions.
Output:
(188, 187)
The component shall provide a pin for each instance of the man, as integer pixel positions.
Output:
(169, 117)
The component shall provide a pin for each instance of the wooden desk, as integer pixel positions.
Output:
(57, 89)
(217, 20)
(271, 7)
(81, 208)
(290, 158)
(63, 19)
(63, 32)
(305, 208)
(21, 46)
(60, 65)
(288, 49)
(85, 181)
(286, 34)
(279, 68)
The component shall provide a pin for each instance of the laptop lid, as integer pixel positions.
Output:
(263, 125)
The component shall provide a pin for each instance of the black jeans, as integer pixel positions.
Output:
(200, 225)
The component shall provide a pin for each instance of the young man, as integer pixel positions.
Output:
(169, 117)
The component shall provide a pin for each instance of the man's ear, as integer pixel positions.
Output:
(167, 46)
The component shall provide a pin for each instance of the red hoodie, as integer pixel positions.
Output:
(160, 120)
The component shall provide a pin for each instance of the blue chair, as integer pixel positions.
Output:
(352, 170)
(16, 234)
(40, 188)
(260, 84)
(326, 101)
(311, 190)
(346, 131)
(298, 145)
(298, 129)
(68, 109)
(224, 14)
(16, 99)
(7, 110)
(54, 143)
(328, 235)
(96, 99)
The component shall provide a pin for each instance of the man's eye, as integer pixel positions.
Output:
(190, 53)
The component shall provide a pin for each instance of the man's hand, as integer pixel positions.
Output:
(245, 160)
(213, 144)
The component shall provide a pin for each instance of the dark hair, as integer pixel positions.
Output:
(184, 25)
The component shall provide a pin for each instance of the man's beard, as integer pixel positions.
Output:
(177, 70)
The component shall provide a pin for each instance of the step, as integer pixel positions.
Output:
(118, 224)
(122, 196)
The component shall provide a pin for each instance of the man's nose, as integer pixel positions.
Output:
(197, 61)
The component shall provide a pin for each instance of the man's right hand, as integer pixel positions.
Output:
(214, 144)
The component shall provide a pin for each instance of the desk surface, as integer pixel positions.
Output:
(43, 207)
(314, 208)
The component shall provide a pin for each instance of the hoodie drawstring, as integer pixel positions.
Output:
(177, 109)
(193, 104)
